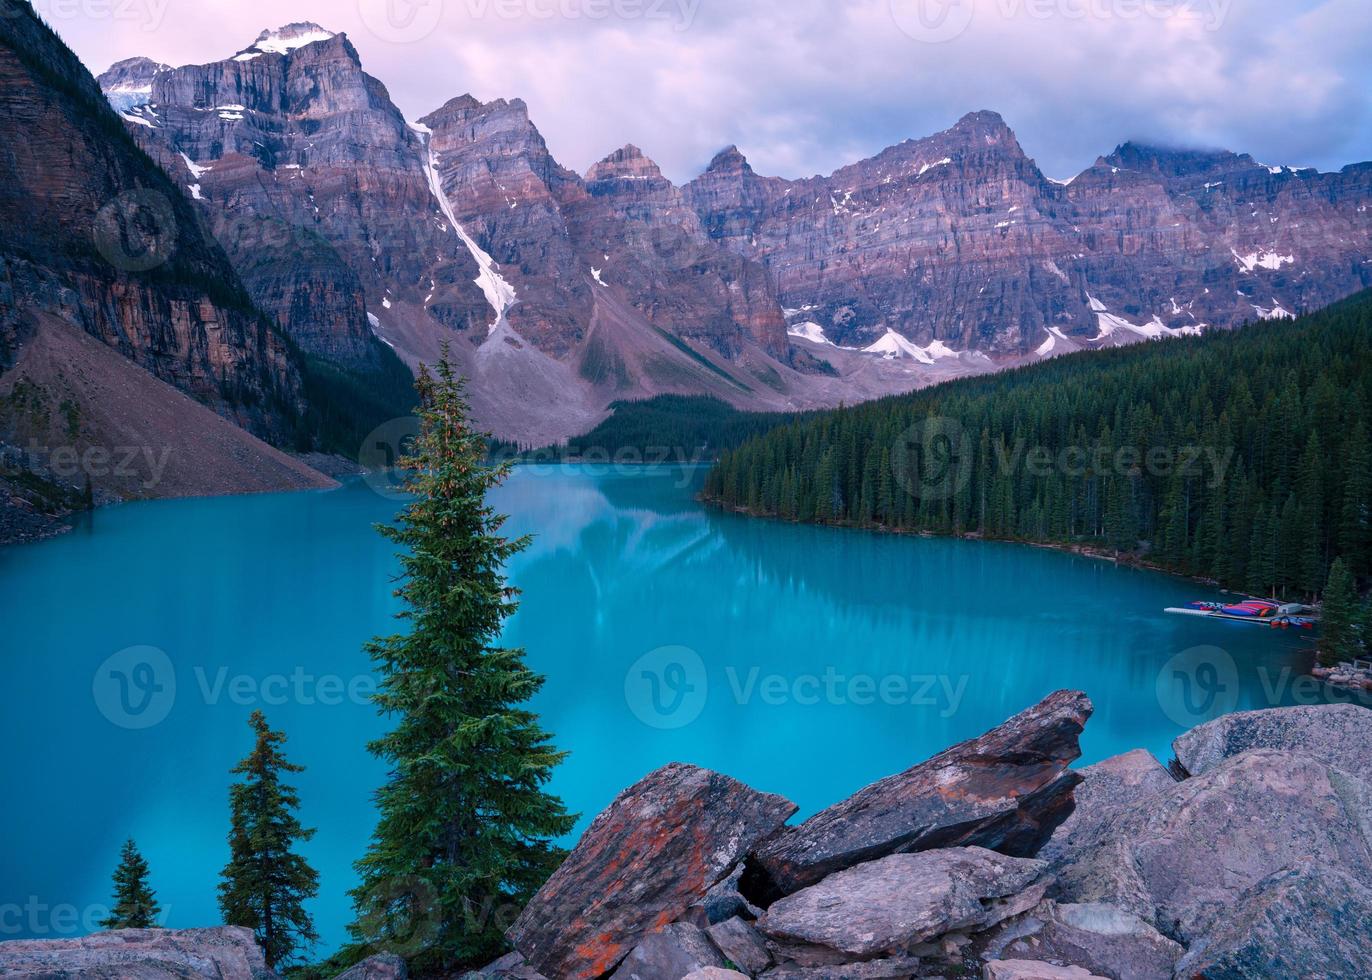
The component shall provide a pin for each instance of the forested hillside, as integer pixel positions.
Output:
(668, 429)
(1241, 456)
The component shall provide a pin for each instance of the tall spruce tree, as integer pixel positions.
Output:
(1342, 617)
(265, 884)
(466, 829)
(135, 905)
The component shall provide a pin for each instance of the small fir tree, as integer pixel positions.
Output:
(135, 905)
(466, 830)
(266, 884)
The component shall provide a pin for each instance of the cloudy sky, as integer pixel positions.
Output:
(803, 86)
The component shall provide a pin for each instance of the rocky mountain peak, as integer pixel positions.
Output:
(729, 162)
(1174, 162)
(467, 110)
(128, 83)
(626, 163)
(285, 39)
(985, 126)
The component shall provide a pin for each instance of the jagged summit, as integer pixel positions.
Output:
(626, 163)
(1170, 161)
(981, 129)
(128, 83)
(729, 161)
(285, 39)
(466, 105)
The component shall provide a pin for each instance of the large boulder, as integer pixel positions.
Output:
(1181, 861)
(670, 953)
(1007, 790)
(1324, 730)
(891, 968)
(657, 850)
(383, 966)
(740, 944)
(889, 906)
(1034, 970)
(227, 953)
(511, 966)
(1309, 920)
(1118, 783)
(1097, 937)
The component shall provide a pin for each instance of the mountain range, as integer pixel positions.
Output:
(563, 292)
(268, 238)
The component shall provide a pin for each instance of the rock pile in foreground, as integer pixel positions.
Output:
(1245, 858)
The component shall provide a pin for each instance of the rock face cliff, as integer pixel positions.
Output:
(93, 234)
(958, 241)
(131, 357)
(312, 181)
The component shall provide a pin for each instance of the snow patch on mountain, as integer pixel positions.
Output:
(196, 170)
(894, 345)
(1262, 260)
(499, 293)
(1055, 334)
(1277, 312)
(283, 40)
(811, 331)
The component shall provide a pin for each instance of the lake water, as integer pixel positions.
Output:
(805, 661)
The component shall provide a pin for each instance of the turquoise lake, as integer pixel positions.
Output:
(805, 661)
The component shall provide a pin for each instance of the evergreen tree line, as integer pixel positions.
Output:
(1238, 456)
(467, 830)
(664, 428)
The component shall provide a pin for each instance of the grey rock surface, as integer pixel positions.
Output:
(1331, 731)
(1309, 920)
(1184, 859)
(1099, 937)
(670, 953)
(1120, 782)
(383, 966)
(892, 904)
(741, 944)
(226, 953)
(1008, 790)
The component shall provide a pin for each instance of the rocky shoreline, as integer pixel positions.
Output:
(1244, 857)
